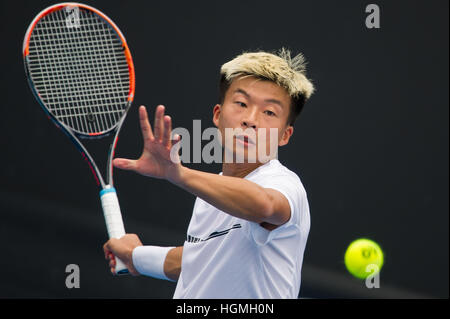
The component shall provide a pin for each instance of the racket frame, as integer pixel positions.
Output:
(108, 196)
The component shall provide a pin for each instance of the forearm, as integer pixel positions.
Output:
(172, 263)
(157, 261)
(235, 196)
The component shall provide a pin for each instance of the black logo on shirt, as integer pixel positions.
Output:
(192, 239)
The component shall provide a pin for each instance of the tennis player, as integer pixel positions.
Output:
(250, 223)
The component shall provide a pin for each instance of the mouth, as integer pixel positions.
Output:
(244, 139)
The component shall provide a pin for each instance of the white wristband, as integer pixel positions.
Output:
(149, 260)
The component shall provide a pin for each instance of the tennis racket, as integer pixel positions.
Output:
(80, 69)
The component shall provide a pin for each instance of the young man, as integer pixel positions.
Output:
(250, 223)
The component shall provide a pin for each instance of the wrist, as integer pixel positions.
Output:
(131, 266)
(178, 177)
(149, 261)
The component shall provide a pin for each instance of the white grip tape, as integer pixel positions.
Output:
(111, 211)
(113, 220)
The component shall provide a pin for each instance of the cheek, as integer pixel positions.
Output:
(269, 136)
(222, 125)
(275, 136)
(228, 117)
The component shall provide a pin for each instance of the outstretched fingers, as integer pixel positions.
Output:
(159, 123)
(146, 128)
(167, 131)
(162, 127)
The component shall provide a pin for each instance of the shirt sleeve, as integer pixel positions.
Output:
(291, 188)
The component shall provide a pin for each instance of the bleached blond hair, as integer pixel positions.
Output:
(279, 67)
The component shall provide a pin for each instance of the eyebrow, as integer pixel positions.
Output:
(274, 101)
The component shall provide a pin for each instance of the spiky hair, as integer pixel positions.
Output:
(289, 73)
(280, 68)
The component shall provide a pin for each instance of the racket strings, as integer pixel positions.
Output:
(80, 72)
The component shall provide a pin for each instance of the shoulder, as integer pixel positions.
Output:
(276, 174)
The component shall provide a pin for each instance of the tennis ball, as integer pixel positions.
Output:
(363, 257)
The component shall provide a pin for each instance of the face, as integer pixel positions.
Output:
(253, 118)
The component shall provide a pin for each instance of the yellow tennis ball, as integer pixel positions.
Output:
(363, 258)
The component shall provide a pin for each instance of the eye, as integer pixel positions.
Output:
(241, 104)
(270, 113)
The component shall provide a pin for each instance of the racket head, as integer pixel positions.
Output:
(79, 68)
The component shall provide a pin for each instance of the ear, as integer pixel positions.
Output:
(286, 135)
(216, 114)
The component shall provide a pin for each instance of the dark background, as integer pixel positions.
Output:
(371, 147)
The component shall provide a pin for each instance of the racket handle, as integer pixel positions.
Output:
(113, 220)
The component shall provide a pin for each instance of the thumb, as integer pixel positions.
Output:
(124, 163)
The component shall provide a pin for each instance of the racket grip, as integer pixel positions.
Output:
(113, 220)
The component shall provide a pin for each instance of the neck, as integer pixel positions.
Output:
(239, 169)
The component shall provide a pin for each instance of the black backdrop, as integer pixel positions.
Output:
(371, 146)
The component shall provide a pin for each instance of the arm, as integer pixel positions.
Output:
(236, 196)
(172, 263)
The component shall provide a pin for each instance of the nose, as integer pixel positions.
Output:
(250, 119)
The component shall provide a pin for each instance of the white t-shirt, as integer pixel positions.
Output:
(229, 257)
